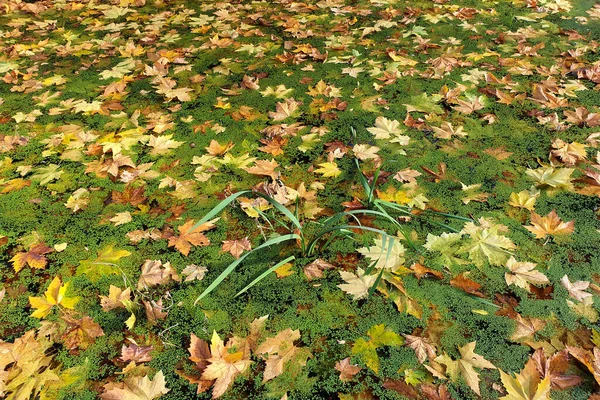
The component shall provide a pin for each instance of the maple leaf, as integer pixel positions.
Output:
(347, 370)
(104, 264)
(526, 385)
(522, 274)
(386, 129)
(15, 184)
(162, 145)
(136, 353)
(379, 336)
(25, 367)
(590, 359)
(467, 285)
(315, 269)
(365, 152)
(465, 366)
(116, 298)
(47, 174)
(34, 257)
(569, 153)
(557, 178)
(80, 333)
(194, 272)
(390, 258)
(329, 170)
(581, 116)
(217, 149)
(357, 285)
(550, 224)
(526, 328)
(236, 247)
(286, 109)
(407, 175)
(136, 388)
(55, 295)
(585, 309)
(446, 131)
(422, 347)
(555, 368)
(576, 289)
(188, 236)
(264, 167)
(224, 366)
(78, 200)
(486, 244)
(121, 218)
(155, 273)
(154, 311)
(280, 350)
(524, 199)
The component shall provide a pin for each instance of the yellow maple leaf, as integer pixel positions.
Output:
(329, 169)
(55, 295)
(224, 366)
(465, 366)
(526, 385)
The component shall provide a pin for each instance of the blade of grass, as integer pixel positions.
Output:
(264, 274)
(231, 267)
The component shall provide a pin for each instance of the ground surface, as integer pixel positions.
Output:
(123, 123)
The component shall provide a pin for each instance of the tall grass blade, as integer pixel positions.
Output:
(231, 267)
(264, 274)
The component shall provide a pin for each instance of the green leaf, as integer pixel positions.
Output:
(379, 336)
(104, 264)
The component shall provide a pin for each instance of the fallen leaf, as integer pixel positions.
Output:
(55, 295)
(188, 236)
(236, 247)
(550, 224)
(136, 388)
(347, 370)
(315, 269)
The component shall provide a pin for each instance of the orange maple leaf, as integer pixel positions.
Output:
(551, 224)
(264, 167)
(188, 236)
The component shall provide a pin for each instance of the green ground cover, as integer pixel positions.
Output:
(425, 175)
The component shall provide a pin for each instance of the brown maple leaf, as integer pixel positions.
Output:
(555, 367)
(34, 257)
(135, 353)
(581, 116)
(188, 236)
(115, 299)
(154, 311)
(264, 167)
(236, 247)
(315, 269)
(550, 224)
(347, 370)
(467, 285)
(422, 347)
(279, 350)
(130, 195)
(217, 149)
(285, 109)
(80, 333)
(155, 273)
